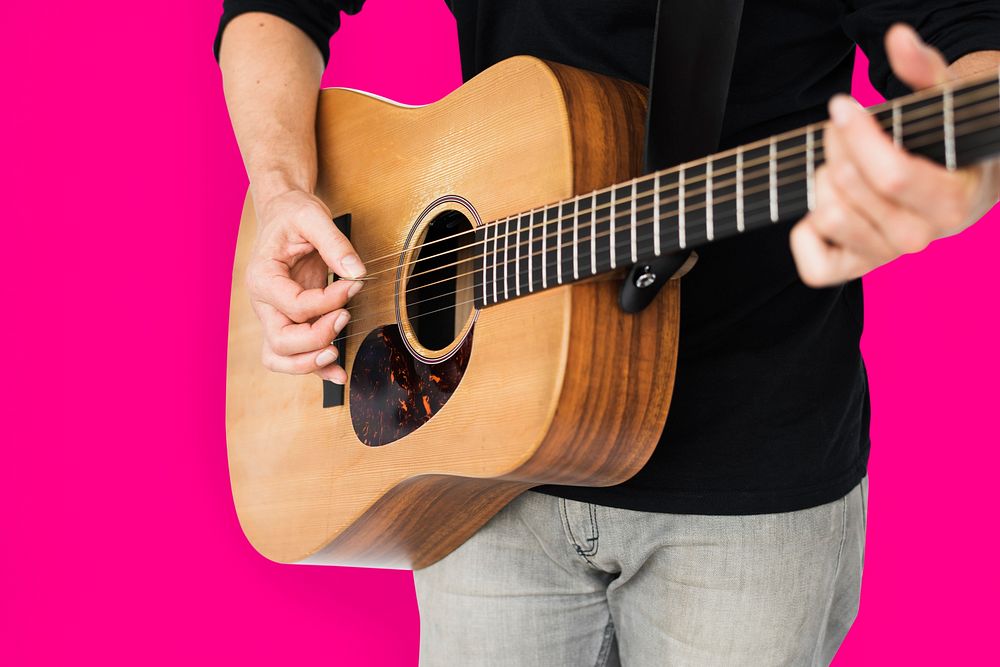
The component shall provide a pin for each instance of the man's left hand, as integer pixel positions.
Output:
(875, 201)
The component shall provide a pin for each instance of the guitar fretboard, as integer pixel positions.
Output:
(718, 197)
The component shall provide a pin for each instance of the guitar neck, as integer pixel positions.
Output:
(717, 197)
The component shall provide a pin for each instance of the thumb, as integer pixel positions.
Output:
(914, 62)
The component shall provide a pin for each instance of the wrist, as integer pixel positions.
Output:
(271, 184)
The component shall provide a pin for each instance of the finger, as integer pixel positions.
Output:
(332, 245)
(866, 207)
(334, 373)
(819, 263)
(846, 176)
(286, 337)
(298, 364)
(837, 221)
(909, 181)
(271, 318)
(268, 281)
(914, 62)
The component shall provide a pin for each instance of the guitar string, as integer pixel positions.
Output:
(695, 194)
(605, 208)
(760, 210)
(973, 84)
(584, 240)
(973, 91)
(930, 123)
(754, 207)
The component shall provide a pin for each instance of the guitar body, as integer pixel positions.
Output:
(559, 386)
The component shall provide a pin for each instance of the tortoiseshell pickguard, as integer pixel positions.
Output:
(393, 393)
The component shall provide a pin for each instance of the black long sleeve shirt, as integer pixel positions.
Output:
(770, 410)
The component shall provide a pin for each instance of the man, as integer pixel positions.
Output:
(741, 541)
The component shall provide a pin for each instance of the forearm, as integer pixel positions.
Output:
(982, 62)
(975, 63)
(271, 72)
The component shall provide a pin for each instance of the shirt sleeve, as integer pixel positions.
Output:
(955, 28)
(317, 19)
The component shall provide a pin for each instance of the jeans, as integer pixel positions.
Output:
(554, 582)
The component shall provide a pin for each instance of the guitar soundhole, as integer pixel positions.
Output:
(438, 291)
(404, 373)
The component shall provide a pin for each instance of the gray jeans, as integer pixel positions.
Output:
(555, 582)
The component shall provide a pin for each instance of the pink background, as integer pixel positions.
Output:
(120, 543)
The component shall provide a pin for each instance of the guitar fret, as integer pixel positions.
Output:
(897, 124)
(635, 256)
(531, 247)
(709, 219)
(517, 260)
(681, 222)
(810, 169)
(772, 180)
(538, 221)
(495, 296)
(559, 244)
(545, 253)
(740, 222)
(612, 223)
(506, 245)
(576, 225)
(949, 130)
(656, 214)
(593, 232)
(486, 250)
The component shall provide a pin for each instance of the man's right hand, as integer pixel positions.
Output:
(272, 72)
(286, 277)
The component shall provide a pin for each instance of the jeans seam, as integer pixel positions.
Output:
(818, 649)
(864, 515)
(564, 514)
(565, 521)
(843, 534)
(604, 653)
(594, 530)
(864, 503)
(580, 551)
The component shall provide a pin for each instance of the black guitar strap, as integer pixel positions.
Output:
(693, 51)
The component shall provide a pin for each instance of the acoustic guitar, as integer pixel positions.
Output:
(487, 352)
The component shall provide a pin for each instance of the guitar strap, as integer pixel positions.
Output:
(694, 46)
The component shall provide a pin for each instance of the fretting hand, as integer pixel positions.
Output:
(875, 201)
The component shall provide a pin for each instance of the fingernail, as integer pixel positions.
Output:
(842, 108)
(326, 357)
(341, 321)
(352, 265)
(354, 289)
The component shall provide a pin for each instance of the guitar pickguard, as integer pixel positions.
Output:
(392, 393)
